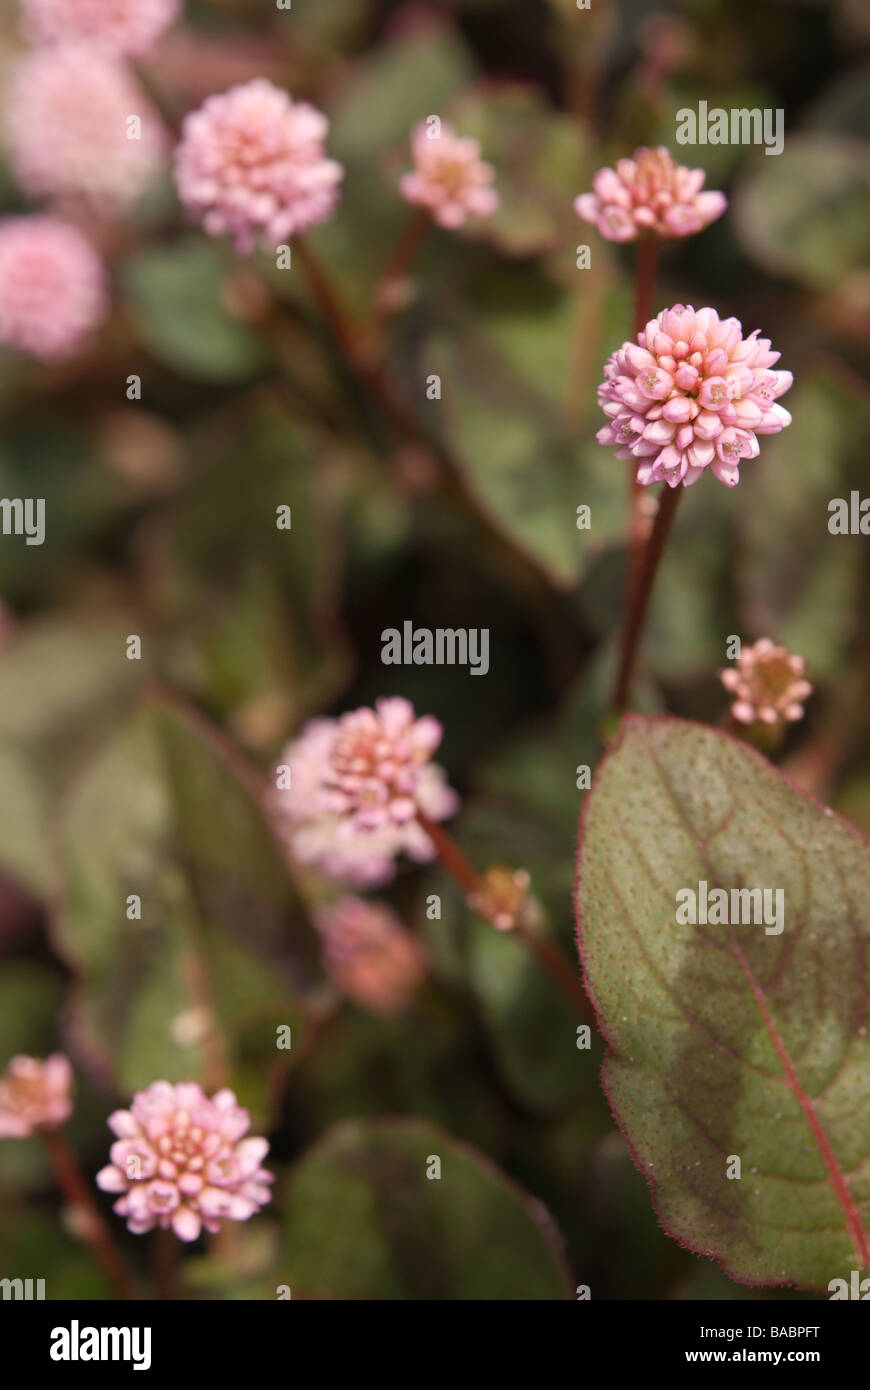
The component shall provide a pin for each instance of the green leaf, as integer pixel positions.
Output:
(403, 82)
(511, 416)
(800, 584)
(363, 1220)
(541, 158)
(728, 1041)
(176, 300)
(60, 682)
(254, 605)
(806, 213)
(160, 813)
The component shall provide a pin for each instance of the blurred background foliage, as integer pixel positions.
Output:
(161, 522)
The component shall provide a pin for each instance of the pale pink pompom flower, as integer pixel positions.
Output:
(69, 132)
(767, 684)
(449, 177)
(355, 785)
(251, 165)
(370, 956)
(35, 1095)
(649, 193)
(127, 26)
(180, 1160)
(691, 394)
(53, 288)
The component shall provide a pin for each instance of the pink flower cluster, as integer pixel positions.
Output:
(370, 956)
(34, 1095)
(52, 286)
(355, 786)
(180, 1161)
(449, 176)
(768, 684)
(67, 127)
(691, 394)
(649, 193)
(251, 165)
(128, 26)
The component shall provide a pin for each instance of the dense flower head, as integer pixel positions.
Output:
(68, 127)
(449, 177)
(691, 394)
(649, 193)
(180, 1160)
(53, 288)
(355, 786)
(128, 26)
(34, 1095)
(251, 165)
(767, 684)
(369, 954)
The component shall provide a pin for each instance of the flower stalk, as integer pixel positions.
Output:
(92, 1228)
(639, 595)
(474, 886)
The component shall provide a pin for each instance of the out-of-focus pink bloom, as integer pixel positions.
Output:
(52, 286)
(649, 193)
(180, 1160)
(767, 684)
(692, 394)
(251, 165)
(128, 26)
(69, 127)
(355, 786)
(370, 956)
(34, 1095)
(449, 177)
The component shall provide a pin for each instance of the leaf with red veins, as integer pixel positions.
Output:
(731, 1041)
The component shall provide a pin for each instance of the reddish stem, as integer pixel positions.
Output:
(547, 954)
(561, 970)
(94, 1230)
(329, 304)
(638, 596)
(399, 264)
(451, 855)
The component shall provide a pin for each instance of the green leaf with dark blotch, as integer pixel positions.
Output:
(806, 213)
(160, 813)
(176, 298)
(363, 1220)
(729, 1041)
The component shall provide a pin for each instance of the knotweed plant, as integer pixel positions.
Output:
(207, 888)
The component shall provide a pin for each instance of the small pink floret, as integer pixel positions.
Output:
(35, 1095)
(251, 166)
(449, 177)
(767, 684)
(649, 193)
(181, 1161)
(691, 394)
(355, 786)
(53, 289)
